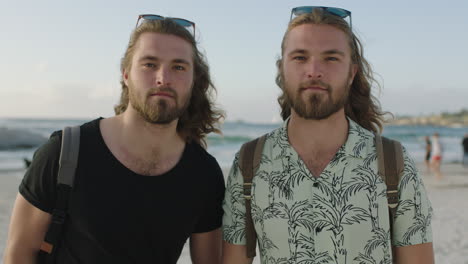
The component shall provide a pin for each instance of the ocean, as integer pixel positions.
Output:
(19, 138)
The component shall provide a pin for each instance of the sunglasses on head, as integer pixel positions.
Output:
(180, 21)
(340, 12)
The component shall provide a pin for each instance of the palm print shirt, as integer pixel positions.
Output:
(339, 217)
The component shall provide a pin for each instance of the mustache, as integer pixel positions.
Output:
(315, 83)
(165, 89)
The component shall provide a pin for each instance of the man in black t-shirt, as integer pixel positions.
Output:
(144, 182)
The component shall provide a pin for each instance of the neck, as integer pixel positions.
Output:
(319, 135)
(137, 132)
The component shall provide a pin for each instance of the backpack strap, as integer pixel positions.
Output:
(250, 156)
(391, 166)
(66, 174)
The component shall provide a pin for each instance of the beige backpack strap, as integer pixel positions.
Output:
(250, 156)
(391, 166)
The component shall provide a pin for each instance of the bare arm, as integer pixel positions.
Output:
(206, 247)
(416, 254)
(235, 254)
(28, 226)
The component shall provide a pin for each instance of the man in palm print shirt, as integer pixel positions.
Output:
(317, 196)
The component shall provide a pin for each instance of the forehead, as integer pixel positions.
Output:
(163, 46)
(312, 37)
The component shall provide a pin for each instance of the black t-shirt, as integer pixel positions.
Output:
(118, 216)
(465, 144)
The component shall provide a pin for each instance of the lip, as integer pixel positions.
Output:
(314, 88)
(162, 94)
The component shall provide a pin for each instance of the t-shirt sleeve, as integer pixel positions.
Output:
(412, 223)
(234, 207)
(211, 218)
(38, 186)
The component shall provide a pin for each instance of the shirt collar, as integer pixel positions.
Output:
(356, 145)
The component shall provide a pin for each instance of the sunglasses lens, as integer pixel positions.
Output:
(338, 12)
(303, 10)
(182, 22)
(153, 17)
(309, 9)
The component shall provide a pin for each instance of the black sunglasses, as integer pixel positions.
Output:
(180, 21)
(340, 12)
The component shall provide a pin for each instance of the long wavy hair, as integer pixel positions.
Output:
(361, 106)
(201, 116)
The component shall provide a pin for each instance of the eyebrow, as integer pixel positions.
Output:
(182, 61)
(334, 51)
(300, 51)
(154, 58)
(327, 52)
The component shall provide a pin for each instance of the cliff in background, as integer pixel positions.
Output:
(443, 119)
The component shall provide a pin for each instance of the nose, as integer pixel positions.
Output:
(314, 70)
(163, 77)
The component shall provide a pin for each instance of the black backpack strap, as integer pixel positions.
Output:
(391, 166)
(67, 165)
(69, 155)
(250, 156)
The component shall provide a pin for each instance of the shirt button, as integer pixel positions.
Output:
(315, 184)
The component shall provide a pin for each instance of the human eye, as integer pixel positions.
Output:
(149, 65)
(179, 68)
(299, 58)
(331, 58)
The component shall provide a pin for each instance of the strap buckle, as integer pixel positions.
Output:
(58, 216)
(248, 191)
(392, 198)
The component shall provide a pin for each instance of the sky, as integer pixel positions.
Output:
(61, 59)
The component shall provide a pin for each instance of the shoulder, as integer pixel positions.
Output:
(205, 166)
(91, 126)
(50, 147)
(50, 150)
(40, 179)
(357, 133)
(201, 160)
(277, 133)
(85, 127)
(197, 152)
(275, 139)
(359, 142)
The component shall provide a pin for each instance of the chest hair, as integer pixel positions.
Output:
(153, 165)
(317, 162)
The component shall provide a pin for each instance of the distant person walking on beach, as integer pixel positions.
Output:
(317, 196)
(465, 150)
(436, 158)
(427, 158)
(144, 182)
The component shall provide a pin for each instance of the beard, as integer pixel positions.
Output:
(158, 111)
(317, 106)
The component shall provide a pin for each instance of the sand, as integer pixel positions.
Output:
(448, 196)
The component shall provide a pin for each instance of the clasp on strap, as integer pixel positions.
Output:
(58, 216)
(248, 190)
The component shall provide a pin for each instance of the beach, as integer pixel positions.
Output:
(448, 197)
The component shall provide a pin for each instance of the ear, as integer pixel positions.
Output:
(125, 76)
(279, 64)
(353, 71)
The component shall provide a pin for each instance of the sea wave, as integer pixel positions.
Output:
(220, 140)
(12, 139)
